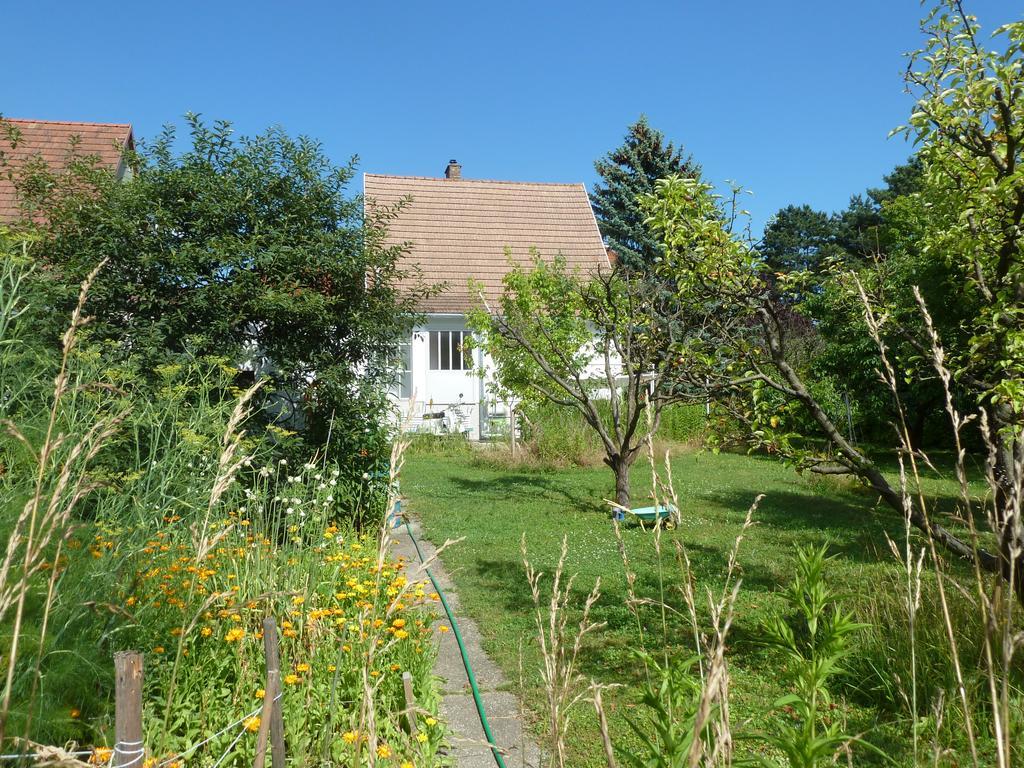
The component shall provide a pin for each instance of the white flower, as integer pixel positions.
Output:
(282, 462)
(329, 499)
(289, 511)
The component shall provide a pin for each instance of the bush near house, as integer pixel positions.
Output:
(247, 248)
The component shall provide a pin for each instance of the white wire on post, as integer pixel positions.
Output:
(119, 749)
(221, 732)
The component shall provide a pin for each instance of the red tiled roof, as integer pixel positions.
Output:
(52, 141)
(460, 229)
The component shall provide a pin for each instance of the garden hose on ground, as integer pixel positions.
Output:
(462, 650)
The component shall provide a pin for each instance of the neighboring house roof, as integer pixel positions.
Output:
(459, 229)
(54, 141)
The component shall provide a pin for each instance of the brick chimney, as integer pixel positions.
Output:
(453, 171)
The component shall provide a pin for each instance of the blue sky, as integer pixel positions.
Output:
(794, 100)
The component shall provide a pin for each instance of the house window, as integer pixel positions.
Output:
(405, 370)
(450, 351)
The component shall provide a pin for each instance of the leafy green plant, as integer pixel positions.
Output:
(814, 640)
(671, 701)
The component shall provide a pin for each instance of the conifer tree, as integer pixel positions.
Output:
(627, 173)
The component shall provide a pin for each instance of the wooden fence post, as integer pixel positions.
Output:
(129, 747)
(410, 703)
(269, 699)
(272, 696)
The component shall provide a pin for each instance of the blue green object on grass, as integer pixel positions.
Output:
(647, 514)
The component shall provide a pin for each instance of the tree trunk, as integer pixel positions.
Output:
(915, 429)
(620, 466)
(1006, 498)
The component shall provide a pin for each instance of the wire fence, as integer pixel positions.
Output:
(129, 750)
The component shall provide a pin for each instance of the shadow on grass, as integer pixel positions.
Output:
(526, 487)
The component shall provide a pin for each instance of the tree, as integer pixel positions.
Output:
(797, 238)
(627, 173)
(601, 345)
(969, 124)
(245, 248)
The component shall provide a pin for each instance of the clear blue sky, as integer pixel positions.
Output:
(794, 100)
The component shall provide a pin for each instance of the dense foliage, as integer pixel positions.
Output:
(247, 248)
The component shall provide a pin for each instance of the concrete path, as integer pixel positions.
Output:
(469, 746)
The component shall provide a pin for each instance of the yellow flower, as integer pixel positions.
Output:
(302, 667)
(298, 600)
(100, 755)
(384, 751)
(158, 649)
(401, 634)
(421, 737)
(331, 668)
(252, 724)
(292, 679)
(442, 628)
(407, 764)
(398, 623)
(205, 631)
(431, 721)
(234, 635)
(349, 737)
(75, 713)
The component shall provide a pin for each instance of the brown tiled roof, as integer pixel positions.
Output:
(461, 228)
(53, 141)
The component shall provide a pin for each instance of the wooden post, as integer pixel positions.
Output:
(410, 703)
(128, 749)
(269, 699)
(272, 652)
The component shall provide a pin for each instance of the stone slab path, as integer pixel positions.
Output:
(469, 745)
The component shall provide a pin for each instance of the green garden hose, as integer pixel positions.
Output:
(462, 649)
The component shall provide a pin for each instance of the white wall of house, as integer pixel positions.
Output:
(438, 381)
(443, 378)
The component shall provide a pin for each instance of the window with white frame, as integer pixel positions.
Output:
(450, 350)
(405, 370)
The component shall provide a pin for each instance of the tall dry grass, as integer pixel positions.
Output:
(61, 481)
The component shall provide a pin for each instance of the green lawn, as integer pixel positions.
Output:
(492, 507)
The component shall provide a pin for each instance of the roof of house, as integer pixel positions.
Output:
(459, 229)
(53, 141)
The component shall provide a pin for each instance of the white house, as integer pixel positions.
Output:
(459, 230)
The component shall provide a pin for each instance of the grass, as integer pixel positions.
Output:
(460, 495)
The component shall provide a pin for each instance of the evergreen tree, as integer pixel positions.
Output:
(627, 173)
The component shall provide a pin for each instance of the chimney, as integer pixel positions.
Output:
(453, 171)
